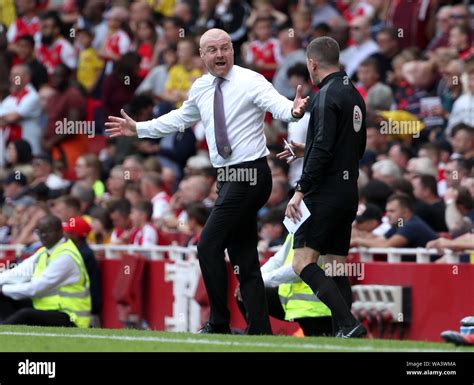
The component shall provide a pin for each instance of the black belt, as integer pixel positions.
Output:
(248, 163)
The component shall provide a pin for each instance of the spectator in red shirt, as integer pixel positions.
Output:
(144, 44)
(28, 23)
(143, 233)
(119, 212)
(151, 187)
(117, 42)
(368, 75)
(139, 11)
(54, 49)
(264, 52)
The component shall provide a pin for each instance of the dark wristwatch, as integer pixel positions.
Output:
(298, 188)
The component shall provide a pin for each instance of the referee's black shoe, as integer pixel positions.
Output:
(209, 328)
(356, 331)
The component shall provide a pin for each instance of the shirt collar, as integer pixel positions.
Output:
(229, 75)
(331, 76)
(60, 242)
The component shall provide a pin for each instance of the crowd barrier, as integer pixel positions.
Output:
(161, 288)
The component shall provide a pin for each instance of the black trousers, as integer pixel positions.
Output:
(233, 225)
(22, 313)
(312, 326)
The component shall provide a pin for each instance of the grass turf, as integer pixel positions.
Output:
(39, 339)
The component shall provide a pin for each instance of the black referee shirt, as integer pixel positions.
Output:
(334, 144)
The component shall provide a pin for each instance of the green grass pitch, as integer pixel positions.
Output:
(39, 339)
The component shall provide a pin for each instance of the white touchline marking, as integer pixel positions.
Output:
(198, 341)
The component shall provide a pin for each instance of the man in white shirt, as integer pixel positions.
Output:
(231, 101)
(21, 110)
(463, 108)
(363, 47)
(20, 285)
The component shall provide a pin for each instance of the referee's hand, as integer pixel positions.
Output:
(124, 126)
(293, 208)
(298, 150)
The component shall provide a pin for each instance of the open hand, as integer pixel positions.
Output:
(125, 126)
(300, 103)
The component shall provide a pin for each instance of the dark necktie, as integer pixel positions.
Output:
(220, 127)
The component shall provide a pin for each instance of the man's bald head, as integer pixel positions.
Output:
(217, 52)
(214, 35)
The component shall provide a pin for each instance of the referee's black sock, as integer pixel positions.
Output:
(328, 292)
(344, 286)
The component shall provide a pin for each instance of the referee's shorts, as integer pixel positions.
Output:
(327, 230)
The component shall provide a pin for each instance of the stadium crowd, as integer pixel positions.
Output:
(67, 65)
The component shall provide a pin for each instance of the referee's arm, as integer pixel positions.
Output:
(321, 152)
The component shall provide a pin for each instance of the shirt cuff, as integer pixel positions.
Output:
(294, 118)
(8, 290)
(143, 130)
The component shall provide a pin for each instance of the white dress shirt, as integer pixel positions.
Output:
(18, 283)
(247, 96)
(297, 132)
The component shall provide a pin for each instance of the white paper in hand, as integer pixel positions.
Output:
(290, 225)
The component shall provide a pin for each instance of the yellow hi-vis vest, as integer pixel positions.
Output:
(73, 299)
(297, 299)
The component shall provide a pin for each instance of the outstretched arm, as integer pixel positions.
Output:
(176, 120)
(267, 98)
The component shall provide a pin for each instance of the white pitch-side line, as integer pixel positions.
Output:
(198, 341)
